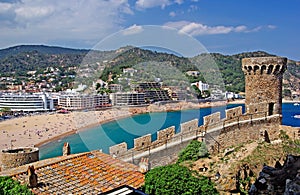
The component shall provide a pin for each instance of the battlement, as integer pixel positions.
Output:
(11, 158)
(263, 102)
(264, 65)
(217, 133)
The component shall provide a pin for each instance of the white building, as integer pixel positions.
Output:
(127, 98)
(80, 101)
(193, 73)
(201, 86)
(230, 95)
(130, 71)
(115, 87)
(26, 102)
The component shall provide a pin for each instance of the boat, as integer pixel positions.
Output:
(296, 104)
(297, 116)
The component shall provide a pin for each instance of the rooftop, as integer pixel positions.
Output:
(86, 173)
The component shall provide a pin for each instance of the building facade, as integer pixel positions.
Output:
(80, 101)
(127, 98)
(26, 102)
(201, 86)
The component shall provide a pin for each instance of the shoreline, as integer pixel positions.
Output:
(38, 130)
(133, 111)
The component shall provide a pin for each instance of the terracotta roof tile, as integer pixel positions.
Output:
(87, 173)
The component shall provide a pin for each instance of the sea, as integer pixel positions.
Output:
(127, 129)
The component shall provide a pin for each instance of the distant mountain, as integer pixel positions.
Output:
(18, 60)
(43, 49)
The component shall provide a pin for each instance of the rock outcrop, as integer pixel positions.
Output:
(281, 179)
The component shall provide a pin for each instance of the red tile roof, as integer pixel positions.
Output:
(86, 173)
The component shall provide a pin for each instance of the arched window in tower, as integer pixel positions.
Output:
(249, 70)
(277, 69)
(263, 69)
(256, 68)
(270, 69)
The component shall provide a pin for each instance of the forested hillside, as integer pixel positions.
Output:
(17, 61)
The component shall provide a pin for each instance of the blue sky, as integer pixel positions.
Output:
(224, 26)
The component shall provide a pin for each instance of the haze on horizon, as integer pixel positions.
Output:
(228, 27)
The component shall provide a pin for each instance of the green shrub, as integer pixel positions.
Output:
(9, 186)
(193, 151)
(176, 179)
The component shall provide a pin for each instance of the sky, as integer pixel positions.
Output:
(223, 26)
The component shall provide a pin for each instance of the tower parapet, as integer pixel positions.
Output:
(263, 84)
(12, 158)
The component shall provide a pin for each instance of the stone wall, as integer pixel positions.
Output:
(12, 158)
(292, 132)
(263, 84)
(189, 126)
(212, 119)
(118, 149)
(241, 132)
(142, 142)
(166, 134)
(234, 112)
(218, 134)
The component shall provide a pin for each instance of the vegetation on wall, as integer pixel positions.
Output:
(193, 151)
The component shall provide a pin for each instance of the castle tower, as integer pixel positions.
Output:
(263, 77)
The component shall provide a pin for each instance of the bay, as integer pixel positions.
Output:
(127, 129)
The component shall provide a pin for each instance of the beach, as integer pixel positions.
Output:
(39, 129)
(36, 130)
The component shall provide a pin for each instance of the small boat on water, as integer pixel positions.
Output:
(297, 116)
(296, 104)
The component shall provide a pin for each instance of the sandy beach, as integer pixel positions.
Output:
(39, 129)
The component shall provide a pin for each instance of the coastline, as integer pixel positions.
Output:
(35, 131)
(136, 111)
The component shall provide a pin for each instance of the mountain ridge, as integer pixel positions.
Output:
(18, 60)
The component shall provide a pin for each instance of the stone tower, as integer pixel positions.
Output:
(263, 77)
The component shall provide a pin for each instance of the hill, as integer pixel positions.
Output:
(43, 49)
(18, 60)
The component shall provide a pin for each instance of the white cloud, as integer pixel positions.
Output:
(195, 29)
(56, 21)
(33, 12)
(134, 29)
(4, 7)
(271, 26)
(179, 1)
(172, 14)
(145, 4)
(193, 8)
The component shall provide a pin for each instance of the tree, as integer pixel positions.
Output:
(10, 186)
(197, 91)
(176, 179)
(193, 151)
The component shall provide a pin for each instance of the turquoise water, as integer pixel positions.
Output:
(127, 129)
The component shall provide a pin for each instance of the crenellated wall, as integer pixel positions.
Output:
(142, 142)
(212, 119)
(12, 158)
(263, 102)
(263, 84)
(189, 126)
(234, 112)
(217, 133)
(166, 134)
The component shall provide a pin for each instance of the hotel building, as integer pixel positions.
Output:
(127, 99)
(26, 102)
(80, 101)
